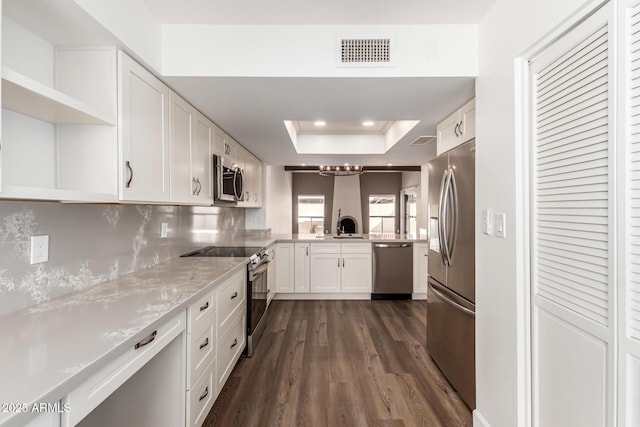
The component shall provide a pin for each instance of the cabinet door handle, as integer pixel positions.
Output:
(128, 163)
(338, 262)
(307, 249)
(205, 343)
(204, 306)
(147, 340)
(205, 394)
(194, 191)
(255, 197)
(455, 130)
(235, 295)
(199, 186)
(235, 343)
(343, 262)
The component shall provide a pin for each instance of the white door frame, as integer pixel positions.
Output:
(523, 141)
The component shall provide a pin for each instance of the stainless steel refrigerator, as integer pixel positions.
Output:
(451, 293)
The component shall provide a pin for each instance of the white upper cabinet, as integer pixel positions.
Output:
(143, 134)
(458, 128)
(183, 187)
(190, 153)
(201, 157)
(101, 125)
(257, 183)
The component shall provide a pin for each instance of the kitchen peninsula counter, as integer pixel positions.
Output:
(49, 349)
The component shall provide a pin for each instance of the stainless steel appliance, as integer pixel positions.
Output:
(392, 270)
(257, 286)
(451, 293)
(228, 180)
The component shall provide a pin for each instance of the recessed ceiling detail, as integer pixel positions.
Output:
(347, 137)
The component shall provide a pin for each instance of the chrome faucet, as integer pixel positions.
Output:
(338, 231)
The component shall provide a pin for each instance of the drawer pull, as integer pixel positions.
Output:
(205, 394)
(235, 295)
(204, 306)
(146, 340)
(235, 343)
(205, 343)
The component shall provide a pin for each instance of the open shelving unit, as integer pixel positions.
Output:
(32, 98)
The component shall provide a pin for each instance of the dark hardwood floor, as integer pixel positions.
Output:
(340, 363)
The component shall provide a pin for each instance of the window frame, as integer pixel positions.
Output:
(311, 218)
(395, 201)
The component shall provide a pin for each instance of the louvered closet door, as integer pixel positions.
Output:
(572, 297)
(629, 307)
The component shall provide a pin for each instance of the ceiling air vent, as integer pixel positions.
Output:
(365, 52)
(422, 140)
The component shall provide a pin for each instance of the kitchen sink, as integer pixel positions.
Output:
(349, 236)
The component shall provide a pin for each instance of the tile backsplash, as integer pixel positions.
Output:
(89, 244)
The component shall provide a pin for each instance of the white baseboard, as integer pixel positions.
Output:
(310, 296)
(419, 296)
(478, 419)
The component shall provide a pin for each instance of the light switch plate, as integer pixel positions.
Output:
(39, 249)
(164, 230)
(501, 225)
(487, 222)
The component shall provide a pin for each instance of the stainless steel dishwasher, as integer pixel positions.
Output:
(392, 270)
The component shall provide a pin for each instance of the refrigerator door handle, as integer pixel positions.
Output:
(445, 218)
(452, 303)
(441, 217)
(453, 232)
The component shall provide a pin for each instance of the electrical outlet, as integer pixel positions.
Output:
(163, 230)
(39, 249)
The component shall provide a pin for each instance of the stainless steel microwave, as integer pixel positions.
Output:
(228, 180)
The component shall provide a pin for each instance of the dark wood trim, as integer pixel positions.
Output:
(365, 168)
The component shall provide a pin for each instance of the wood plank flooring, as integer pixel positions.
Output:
(340, 363)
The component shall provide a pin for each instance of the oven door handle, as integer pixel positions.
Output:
(260, 270)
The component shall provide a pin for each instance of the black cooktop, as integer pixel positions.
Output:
(224, 251)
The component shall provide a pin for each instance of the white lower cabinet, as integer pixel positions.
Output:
(324, 272)
(355, 275)
(340, 267)
(271, 274)
(301, 269)
(230, 346)
(284, 261)
(420, 273)
(214, 319)
(201, 396)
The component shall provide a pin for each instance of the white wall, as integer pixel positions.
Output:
(508, 30)
(131, 22)
(311, 50)
(278, 199)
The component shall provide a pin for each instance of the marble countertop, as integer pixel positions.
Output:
(49, 349)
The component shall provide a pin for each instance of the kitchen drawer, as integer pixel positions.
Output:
(324, 248)
(202, 396)
(356, 248)
(88, 395)
(201, 344)
(230, 345)
(200, 310)
(231, 296)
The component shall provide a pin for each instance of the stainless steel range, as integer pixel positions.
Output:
(257, 286)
